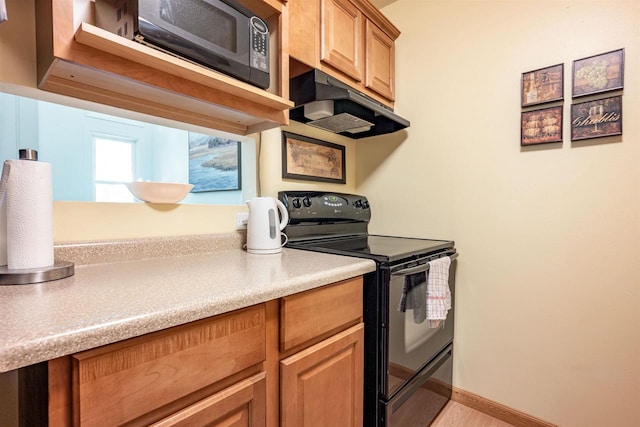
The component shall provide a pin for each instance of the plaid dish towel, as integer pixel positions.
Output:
(438, 292)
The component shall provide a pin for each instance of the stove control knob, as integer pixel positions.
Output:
(365, 205)
(358, 204)
(306, 201)
(296, 203)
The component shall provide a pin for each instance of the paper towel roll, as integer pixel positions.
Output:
(29, 214)
(3, 214)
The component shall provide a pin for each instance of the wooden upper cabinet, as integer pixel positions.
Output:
(341, 37)
(380, 54)
(78, 59)
(354, 42)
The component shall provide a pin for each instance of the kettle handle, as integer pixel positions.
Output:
(283, 213)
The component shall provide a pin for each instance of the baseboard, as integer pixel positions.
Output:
(496, 410)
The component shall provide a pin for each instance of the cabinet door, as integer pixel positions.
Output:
(341, 37)
(242, 404)
(322, 385)
(380, 60)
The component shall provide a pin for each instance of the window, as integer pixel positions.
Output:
(113, 168)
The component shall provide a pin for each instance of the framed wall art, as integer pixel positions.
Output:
(542, 85)
(598, 73)
(214, 163)
(595, 119)
(312, 160)
(541, 126)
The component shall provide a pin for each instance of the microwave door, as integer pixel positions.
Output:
(206, 31)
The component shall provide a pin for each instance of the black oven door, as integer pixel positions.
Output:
(412, 341)
(419, 402)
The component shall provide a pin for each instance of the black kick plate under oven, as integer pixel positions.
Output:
(408, 360)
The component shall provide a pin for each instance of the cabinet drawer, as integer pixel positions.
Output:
(117, 383)
(319, 312)
(242, 404)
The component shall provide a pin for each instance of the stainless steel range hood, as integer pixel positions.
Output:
(327, 103)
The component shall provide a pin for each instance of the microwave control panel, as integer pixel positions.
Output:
(259, 54)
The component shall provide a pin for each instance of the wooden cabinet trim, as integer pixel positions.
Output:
(60, 398)
(374, 14)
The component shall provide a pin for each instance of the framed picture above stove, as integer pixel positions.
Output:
(311, 159)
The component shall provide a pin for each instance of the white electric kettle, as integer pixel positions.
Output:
(264, 227)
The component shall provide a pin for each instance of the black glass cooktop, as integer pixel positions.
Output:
(379, 248)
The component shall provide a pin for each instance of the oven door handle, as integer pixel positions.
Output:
(418, 268)
(412, 270)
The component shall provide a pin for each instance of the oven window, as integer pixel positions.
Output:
(200, 18)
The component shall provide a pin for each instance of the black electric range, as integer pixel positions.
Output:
(408, 363)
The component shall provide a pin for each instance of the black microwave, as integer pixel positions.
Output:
(219, 34)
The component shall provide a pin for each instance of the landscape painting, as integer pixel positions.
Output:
(214, 163)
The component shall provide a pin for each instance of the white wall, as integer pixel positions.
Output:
(548, 315)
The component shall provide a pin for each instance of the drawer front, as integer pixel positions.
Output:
(319, 312)
(120, 382)
(242, 404)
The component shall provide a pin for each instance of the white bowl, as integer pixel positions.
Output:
(159, 192)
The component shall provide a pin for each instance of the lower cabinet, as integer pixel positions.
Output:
(211, 369)
(322, 385)
(300, 366)
(321, 356)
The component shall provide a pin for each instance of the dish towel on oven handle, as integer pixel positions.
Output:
(438, 292)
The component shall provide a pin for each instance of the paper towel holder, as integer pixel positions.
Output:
(27, 154)
(26, 276)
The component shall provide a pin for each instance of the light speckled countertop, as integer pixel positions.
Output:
(109, 302)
